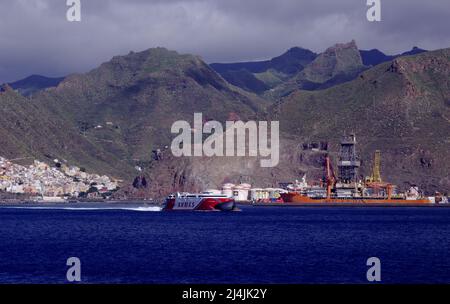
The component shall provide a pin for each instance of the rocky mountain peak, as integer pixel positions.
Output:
(342, 46)
(342, 58)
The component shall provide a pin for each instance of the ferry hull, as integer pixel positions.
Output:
(199, 204)
(226, 206)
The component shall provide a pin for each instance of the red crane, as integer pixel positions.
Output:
(330, 177)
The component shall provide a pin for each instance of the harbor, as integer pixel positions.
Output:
(343, 188)
(40, 183)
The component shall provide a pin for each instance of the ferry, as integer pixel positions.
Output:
(205, 201)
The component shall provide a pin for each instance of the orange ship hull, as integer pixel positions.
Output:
(296, 198)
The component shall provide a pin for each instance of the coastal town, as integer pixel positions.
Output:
(49, 182)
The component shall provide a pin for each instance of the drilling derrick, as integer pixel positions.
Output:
(349, 162)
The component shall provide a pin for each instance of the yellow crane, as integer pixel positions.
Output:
(376, 169)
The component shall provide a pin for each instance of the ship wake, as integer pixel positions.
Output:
(139, 209)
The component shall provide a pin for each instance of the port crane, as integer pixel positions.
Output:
(375, 181)
(330, 177)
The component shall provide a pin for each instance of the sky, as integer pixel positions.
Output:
(36, 38)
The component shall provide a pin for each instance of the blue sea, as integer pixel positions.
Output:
(139, 244)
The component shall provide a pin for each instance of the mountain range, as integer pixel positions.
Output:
(300, 68)
(374, 56)
(35, 83)
(118, 116)
(253, 76)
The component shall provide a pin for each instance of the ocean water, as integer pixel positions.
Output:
(138, 244)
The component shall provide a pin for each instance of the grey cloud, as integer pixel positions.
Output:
(35, 37)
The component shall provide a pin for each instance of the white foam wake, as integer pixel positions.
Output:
(142, 209)
(145, 209)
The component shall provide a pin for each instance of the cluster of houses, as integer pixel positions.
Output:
(41, 179)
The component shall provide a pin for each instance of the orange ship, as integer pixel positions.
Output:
(347, 190)
(297, 198)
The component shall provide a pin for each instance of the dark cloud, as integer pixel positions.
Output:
(36, 38)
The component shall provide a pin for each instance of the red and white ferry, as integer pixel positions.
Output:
(206, 201)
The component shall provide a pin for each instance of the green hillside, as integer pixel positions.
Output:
(124, 109)
(29, 131)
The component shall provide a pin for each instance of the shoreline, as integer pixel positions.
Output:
(25, 203)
